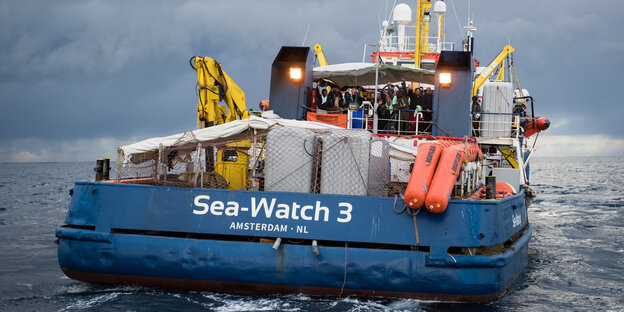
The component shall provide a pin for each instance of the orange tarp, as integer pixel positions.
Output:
(339, 120)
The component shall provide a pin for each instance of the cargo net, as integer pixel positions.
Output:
(284, 159)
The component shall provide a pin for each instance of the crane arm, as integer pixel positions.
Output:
(498, 60)
(320, 55)
(213, 86)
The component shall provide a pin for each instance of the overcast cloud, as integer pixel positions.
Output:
(79, 78)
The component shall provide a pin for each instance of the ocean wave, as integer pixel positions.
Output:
(81, 304)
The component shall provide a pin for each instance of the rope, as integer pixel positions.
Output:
(394, 208)
(447, 134)
(503, 95)
(416, 228)
(453, 258)
(344, 281)
(535, 142)
(359, 170)
(417, 211)
(456, 18)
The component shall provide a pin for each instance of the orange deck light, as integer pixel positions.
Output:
(295, 73)
(445, 79)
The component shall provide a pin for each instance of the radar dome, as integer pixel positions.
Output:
(439, 7)
(402, 13)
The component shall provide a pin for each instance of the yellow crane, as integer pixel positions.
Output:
(498, 60)
(214, 86)
(320, 55)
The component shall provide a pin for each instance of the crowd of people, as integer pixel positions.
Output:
(398, 107)
(335, 101)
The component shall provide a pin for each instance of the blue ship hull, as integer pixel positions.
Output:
(221, 241)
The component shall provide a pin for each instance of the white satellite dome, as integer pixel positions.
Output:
(402, 13)
(439, 7)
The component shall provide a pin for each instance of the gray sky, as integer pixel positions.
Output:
(79, 78)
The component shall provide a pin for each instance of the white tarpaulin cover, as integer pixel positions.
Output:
(217, 133)
(360, 74)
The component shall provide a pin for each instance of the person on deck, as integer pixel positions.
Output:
(392, 104)
(416, 102)
(323, 100)
(383, 114)
(520, 109)
(353, 96)
(347, 97)
(404, 113)
(476, 116)
(427, 108)
(335, 101)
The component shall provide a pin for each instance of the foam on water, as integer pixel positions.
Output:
(82, 304)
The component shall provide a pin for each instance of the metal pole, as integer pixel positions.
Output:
(375, 105)
(119, 160)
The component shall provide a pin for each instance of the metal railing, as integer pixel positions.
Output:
(497, 125)
(489, 125)
(432, 46)
(401, 122)
(391, 43)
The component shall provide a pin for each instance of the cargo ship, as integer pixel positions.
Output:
(269, 203)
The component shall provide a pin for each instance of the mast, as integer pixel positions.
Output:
(422, 29)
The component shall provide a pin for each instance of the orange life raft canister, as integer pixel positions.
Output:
(422, 174)
(445, 176)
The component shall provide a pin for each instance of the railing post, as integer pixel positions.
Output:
(119, 161)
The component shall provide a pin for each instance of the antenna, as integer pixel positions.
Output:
(306, 35)
(456, 18)
(386, 14)
(469, 22)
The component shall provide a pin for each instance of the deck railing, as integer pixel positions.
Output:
(496, 125)
(489, 125)
(401, 123)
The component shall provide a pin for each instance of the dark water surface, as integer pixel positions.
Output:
(576, 256)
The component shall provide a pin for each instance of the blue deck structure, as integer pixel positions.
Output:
(219, 240)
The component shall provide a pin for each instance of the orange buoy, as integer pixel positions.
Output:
(422, 174)
(264, 105)
(444, 179)
(503, 187)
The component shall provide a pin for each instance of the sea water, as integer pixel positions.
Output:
(576, 256)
